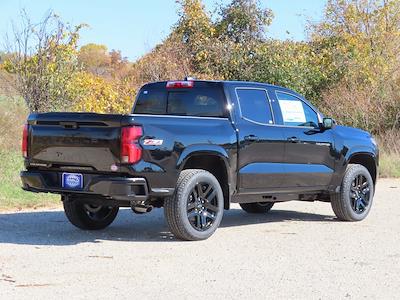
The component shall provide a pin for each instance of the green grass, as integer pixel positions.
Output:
(13, 113)
(389, 165)
(11, 194)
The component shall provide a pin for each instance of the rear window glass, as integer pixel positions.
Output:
(151, 102)
(254, 105)
(203, 100)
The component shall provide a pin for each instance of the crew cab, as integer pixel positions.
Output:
(194, 147)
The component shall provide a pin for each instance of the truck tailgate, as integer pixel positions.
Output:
(85, 141)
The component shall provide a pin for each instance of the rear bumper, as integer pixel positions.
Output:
(118, 188)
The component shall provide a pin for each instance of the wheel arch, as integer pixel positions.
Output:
(366, 159)
(212, 159)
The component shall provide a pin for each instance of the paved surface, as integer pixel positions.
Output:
(297, 251)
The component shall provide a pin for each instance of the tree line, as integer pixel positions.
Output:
(349, 66)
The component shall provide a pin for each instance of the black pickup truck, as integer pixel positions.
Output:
(194, 147)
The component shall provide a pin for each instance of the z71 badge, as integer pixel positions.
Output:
(152, 142)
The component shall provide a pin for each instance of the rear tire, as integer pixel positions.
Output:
(257, 208)
(87, 216)
(195, 211)
(354, 201)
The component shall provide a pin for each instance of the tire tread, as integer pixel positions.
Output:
(338, 200)
(173, 204)
(255, 208)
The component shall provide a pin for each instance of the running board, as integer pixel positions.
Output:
(251, 198)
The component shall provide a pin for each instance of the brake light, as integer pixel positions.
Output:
(180, 84)
(25, 134)
(131, 152)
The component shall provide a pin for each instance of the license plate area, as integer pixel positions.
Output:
(72, 181)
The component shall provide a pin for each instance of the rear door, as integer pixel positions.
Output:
(261, 144)
(180, 118)
(309, 152)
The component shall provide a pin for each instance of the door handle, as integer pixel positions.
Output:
(251, 138)
(293, 139)
(69, 125)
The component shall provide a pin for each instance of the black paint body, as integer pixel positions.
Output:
(263, 162)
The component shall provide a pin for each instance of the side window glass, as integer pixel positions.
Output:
(254, 105)
(296, 112)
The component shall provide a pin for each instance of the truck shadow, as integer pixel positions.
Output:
(53, 229)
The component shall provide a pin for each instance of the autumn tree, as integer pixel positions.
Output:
(43, 58)
(243, 21)
(195, 30)
(95, 58)
(100, 95)
(365, 37)
(365, 32)
(119, 65)
(167, 61)
(104, 85)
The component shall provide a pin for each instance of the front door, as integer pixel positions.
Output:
(309, 152)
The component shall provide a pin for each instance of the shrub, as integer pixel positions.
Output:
(96, 94)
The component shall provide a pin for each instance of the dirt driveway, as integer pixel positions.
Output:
(297, 251)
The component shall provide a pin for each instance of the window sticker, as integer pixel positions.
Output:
(292, 111)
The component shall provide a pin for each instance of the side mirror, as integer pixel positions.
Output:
(327, 123)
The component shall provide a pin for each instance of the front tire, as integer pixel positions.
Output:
(195, 211)
(87, 216)
(257, 208)
(354, 201)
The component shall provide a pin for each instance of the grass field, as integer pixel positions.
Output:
(13, 114)
(389, 165)
(11, 194)
(389, 147)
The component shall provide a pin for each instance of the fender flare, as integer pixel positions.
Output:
(202, 149)
(360, 150)
(207, 149)
(365, 151)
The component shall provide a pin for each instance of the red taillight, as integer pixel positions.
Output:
(180, 84)
(131, 152)
(25, 134)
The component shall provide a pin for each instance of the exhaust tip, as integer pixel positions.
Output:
(141, 208)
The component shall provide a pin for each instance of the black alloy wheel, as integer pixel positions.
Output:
(202, 207)
(360, 194)
(97, 212)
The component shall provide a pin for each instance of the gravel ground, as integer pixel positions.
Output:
(297, 251)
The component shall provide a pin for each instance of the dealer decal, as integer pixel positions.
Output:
(152, 142)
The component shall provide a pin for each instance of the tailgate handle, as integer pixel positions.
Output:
(69, 125)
